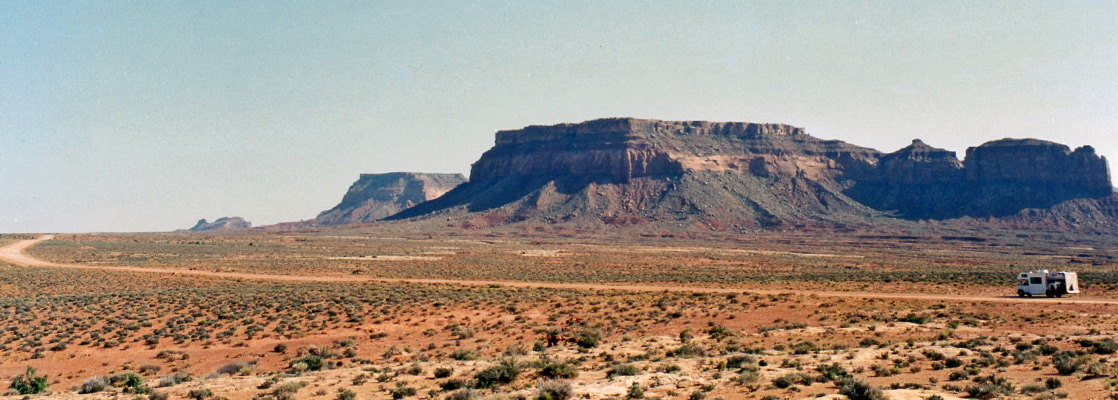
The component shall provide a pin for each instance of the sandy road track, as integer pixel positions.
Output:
(13, 253)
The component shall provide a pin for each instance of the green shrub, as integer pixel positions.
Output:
(29, 382)
(914, 318)
(740, 361)
(402, 390)
(957, 376)
(235, 368)
(558, 369)
(589, 338)
(985, 391)
(795, 378)
(171, 380)
(833, 372)
(635, 392)
(347, 395)
(287, 390)
(463, 355)
(1066, 362)
(1098, 369)
(858, 390)
(131, 382)
(314, 363)
(718, 332)
(501, 374)
(443, 372)
(554, 390)
(452, 384)
(94, 385)
(622, 370)
(200, 394)
(747, 377)
(1106, 346)
(990, 387)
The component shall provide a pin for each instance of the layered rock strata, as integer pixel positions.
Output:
(376, 196)
(747, 175)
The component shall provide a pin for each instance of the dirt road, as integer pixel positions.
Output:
(13, 253)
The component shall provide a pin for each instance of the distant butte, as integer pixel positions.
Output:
(376, 196)
(221, 224)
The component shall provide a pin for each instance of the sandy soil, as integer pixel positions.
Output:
(13, 253)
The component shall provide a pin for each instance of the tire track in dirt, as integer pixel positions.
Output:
(13, 253)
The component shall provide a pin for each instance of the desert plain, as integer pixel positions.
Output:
(362, 313)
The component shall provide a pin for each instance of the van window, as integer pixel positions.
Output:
(1035, 280)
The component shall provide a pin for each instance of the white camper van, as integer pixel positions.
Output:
(1051, 284)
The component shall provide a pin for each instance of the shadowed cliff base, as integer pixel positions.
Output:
(997, 179)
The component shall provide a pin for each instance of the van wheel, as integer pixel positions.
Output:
(1021, 293)
(1060, 295)
(1049, 293)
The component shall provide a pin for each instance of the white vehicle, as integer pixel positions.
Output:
(1051, 284)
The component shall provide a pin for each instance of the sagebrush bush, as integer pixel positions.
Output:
(855, 389)
(500, 374)
(554, 390)
(94, 385)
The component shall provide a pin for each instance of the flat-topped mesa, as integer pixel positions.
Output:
(626, 148)
(629, 128)
(736, 175)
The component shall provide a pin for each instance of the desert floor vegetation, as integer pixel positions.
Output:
(105, 334)
(939, 264)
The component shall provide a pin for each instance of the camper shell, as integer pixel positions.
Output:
(1051, 284)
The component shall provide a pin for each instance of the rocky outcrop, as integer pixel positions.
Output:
(376, 196)
(998, 178)
(631, 170)
(744, 176)
(1037, 162)
(920, 164)
(221, 224)
(624, 148)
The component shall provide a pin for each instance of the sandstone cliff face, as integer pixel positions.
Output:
(376, 196)
(744, 176)
(1037, 162)
(624, 148)
(734, 174)
(998, 178)
(221, 224)
(920, 164)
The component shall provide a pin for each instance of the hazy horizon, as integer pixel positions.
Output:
(123, 116)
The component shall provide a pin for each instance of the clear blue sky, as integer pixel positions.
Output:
(146, 116)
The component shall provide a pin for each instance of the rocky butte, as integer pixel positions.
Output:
(999, 178)
(221, 224)
(727, 175)
(375, 196)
